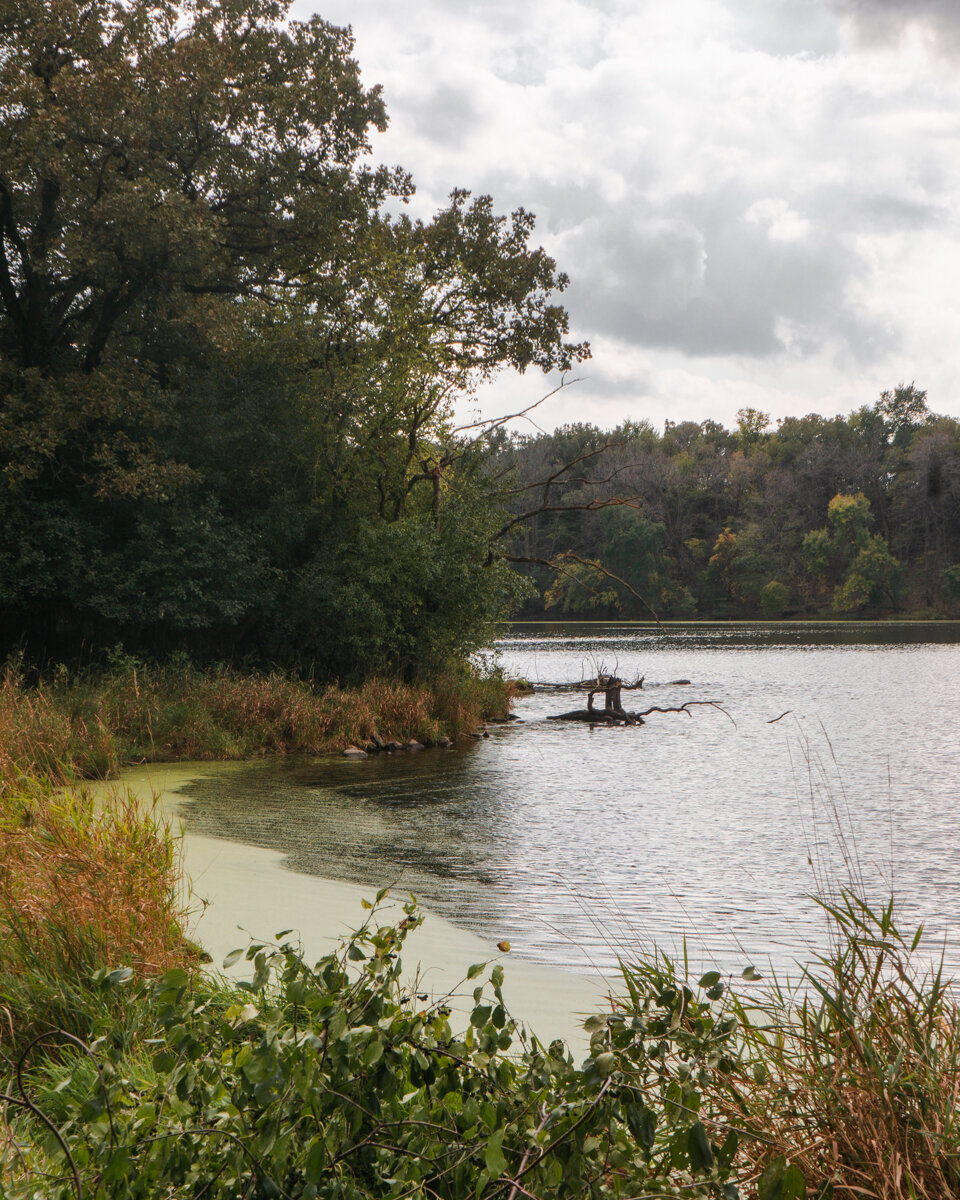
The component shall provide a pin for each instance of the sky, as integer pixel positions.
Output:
(756, 201)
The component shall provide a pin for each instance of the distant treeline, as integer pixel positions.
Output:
(855, 515)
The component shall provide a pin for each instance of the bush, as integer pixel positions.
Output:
(853, 1077)
(334, 1081)
(773, 599)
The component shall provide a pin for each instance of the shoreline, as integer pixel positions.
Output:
(237, 893)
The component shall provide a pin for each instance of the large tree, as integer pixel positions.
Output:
(226, 371)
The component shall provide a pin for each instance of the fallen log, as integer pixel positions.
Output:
(597, 716)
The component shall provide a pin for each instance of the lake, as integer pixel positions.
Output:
(579, 844)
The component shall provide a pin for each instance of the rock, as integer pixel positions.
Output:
(378, 742)
(444, 742)
(677, 682)
(485, 734)
(371, 747)
(354, 752)
(476, 736)
(392, 747)
(414, 745)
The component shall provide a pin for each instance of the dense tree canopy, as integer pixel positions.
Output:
(226, 370)
(851, 515)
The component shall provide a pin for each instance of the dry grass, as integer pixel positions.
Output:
(855, 1078)
(82, 887)
(92, 726)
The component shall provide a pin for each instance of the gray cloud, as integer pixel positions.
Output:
(445, 114)
(722, 275)
(886, 20)
(749, 196)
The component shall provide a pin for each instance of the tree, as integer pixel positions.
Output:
(873, 577)
(224, 368)
(903, 410)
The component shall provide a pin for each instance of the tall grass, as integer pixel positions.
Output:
(91, 725)
(84, 888)
(854, 1076)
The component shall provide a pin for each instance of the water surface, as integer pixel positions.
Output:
(577, 844)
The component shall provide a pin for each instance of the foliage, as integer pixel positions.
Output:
(850, 518)
(951, 581)
(873, 576)
(335, 1081)
(226, 370)
(580, 587)
(773, 598)
(713, 515)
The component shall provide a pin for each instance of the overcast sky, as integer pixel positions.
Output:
(757, 201)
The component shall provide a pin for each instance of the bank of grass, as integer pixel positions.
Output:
(92, 725)
(84, 888)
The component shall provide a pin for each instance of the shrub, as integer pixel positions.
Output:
(335, 1081)
(773, 598)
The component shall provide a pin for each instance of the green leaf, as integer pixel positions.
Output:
(176, 977)
(493, 1155)
(751, 974)
(232, 957)
(480, 1015)
(781, 1181)
(606, 1063)
(316, 1157)
(698, 1148)
(642, 1123)
(710, 979)
(474, 970)
(118, 1165)
(355, 954)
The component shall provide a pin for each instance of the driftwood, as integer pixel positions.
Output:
(597, 716)
(613, 712)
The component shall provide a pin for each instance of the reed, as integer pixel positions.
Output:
(853, 1077)
(92, 725)
(85, 888)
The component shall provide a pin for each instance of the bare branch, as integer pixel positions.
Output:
(490, 424)
(589, 506)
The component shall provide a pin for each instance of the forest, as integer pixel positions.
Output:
(838, 516)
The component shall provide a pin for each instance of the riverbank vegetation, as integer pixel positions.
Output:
(154, 1077)
(93, 724)
(830, 516)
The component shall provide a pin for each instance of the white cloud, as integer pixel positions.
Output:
(749, 195)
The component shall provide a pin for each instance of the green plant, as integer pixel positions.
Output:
(334, 1080)
(773, 598)
(82, 885)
